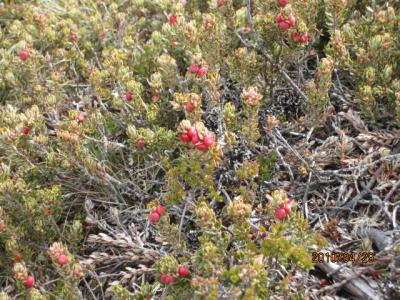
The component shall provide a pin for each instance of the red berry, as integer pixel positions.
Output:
(26, 130)
(173, 19)
(129, 96)
(201, 147)
(208, 140)
(295, 36)
(167, 279)
(183, 272)
(62, 259)
(29, 281)
(2, 226)
(278, 18)
(284, 25)
(190, 107)
(172, 280)
(287, 207)
(72, 37)
(220, 3)
(160, 209)
(191, 132)
(283, 3)
(80, 118)
(291, 20)
(280, 213)
(185, 138)
(154, 217)
(303, 38)
(195, 139)
(193, 68)
(24, 54)
(202, 71)
(155, 98)
(139, 143)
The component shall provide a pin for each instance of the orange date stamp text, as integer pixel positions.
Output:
(362, 257)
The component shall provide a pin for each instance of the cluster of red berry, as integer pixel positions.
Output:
(302, 38)
(284, 210)
(200, 71)
(168, 279)
(193, 136)
(62, 260)
(157, 213)
(285, 24)
(290, 22)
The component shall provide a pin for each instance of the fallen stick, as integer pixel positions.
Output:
(356, 286)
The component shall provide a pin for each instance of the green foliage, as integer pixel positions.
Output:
(95, 99)
(366, 43)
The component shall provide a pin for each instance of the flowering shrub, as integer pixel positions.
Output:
(109, 105)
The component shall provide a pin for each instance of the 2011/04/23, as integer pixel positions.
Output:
(343, 257)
